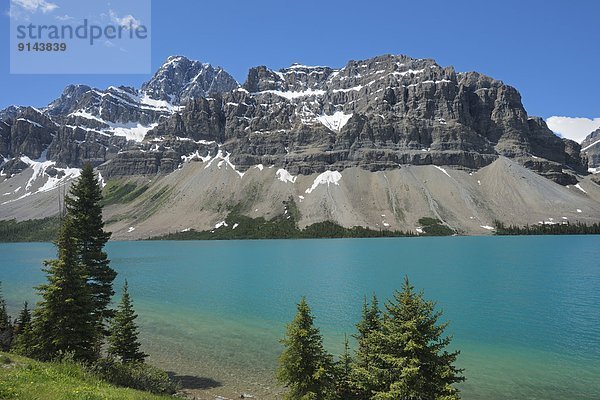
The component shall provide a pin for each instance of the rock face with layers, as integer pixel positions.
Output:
(27, 132)
(179, 80)
(590, 147)
(377, 114)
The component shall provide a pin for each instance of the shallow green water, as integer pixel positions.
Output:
(525, 311)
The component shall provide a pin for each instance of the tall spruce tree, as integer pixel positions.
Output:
(410, 359)
(305, 368)
(85, 209)
(6, 328)
(64, 320)
(362, 382)
(123, 340)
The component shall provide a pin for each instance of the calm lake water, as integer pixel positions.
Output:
(524, 311)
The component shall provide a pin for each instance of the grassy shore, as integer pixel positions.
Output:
(24, 379)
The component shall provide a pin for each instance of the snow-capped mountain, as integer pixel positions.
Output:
(179, 80)
(377, 115)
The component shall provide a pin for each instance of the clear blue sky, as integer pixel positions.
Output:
(549, 50)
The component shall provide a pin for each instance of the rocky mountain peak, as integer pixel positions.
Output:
(9, 112)
(591, 148)
(303, 78)
(180, 79)
(69, 100)
(28, 133)
(376, 114)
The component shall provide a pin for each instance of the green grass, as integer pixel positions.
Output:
(117, 192)
(434, 227)
(33, 230)
(24, 379)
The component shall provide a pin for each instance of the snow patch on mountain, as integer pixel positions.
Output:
(131, 130)
(443, 170)
(293, 95)
(591, 145)
(285, 176)
(336, 121)
(30, 122)
(195, 156)
(40, 167)
(224, 160)
(326, 178)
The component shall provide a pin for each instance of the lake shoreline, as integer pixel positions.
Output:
(523, 309)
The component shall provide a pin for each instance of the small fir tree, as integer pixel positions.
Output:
(305, 368)
(6, 328)
(64, 320)
(23, 320)
(23, 340)
(410, 359)
(123, 340)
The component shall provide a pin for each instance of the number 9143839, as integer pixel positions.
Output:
(42, 46)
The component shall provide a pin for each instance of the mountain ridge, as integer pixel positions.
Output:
(379, 115)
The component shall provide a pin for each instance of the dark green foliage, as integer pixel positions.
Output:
(133, 375)
(24, 319)
(408, 356)
(566, 228)
(6, 328)
(343, 374)
(84, 208)
(370, 322)
(23, 339)
(434, 227)
(33, 230)
(328, 229)
(64, 320)
(305, 368)
(401, 354)
(123, 340)
(284, 226)
(121, 194)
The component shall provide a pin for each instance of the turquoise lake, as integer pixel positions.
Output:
(524, 311)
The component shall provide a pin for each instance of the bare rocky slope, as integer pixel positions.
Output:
(590, 148)
(378, 143)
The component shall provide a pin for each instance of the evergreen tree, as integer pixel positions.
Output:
(304, 366)
(6, 328)
(23, 320)
(85, 209)
(361, 381)
(370, 322)
(23, 340)
(410, 357)
(123, 340)
(343, 374)
(64, 320)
